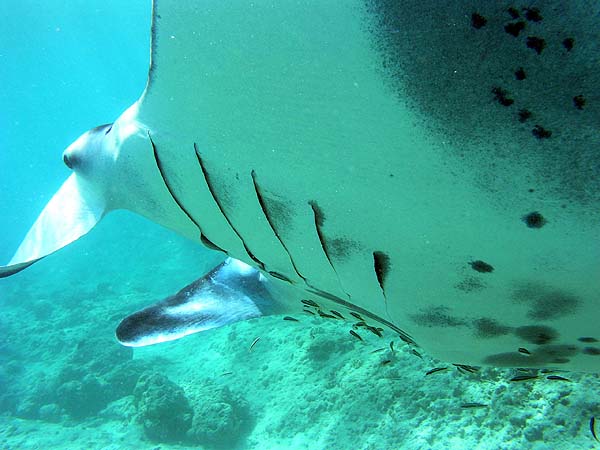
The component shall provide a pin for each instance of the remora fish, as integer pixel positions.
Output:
(346, 165)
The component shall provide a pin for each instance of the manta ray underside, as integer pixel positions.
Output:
(432, 167)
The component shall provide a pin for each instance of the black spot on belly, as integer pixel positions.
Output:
(478, 21)
(489, 328)
(587, 339)
(568, 44)
(514, 12)
(524, 115)
(533, 15)
(514, 28)
(540, 132)
(537, 334)
(481, 266)
(579, 101)
(593, 351)
(437, 316)
(545, 302)
(534, 220)
(520, 74)
(502, 96)
(536, 43)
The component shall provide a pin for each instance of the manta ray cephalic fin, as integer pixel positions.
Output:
(231, 292)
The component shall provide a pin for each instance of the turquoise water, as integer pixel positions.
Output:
(66, 383)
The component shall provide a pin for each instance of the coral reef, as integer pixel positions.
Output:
(163, 410)
(221, 418)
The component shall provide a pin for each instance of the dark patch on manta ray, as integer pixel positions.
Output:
(265, 211)
(279, 211)
(568, 44)
(437, 316)
(534, 220)
(509, 359)
(537, 334)
(545, 302)
(592, 351)
(536, 43)
(463, 63)
(478, 21)
(470, 284)
(543, 355)
(514, 28)
(516, 359)
(556, 354)
(340, 248)
(486, 328)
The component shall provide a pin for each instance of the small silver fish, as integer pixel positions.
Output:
(557, 378)
(436, 369)
(473, 405)
(357, 316)
(524, 378)
(253, 343)
(337, 314)
(356, 335)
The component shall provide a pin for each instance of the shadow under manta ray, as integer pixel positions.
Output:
(426, 166)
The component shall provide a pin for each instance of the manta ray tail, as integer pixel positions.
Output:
(73, 211)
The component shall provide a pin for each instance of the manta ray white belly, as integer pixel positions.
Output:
(442, 194)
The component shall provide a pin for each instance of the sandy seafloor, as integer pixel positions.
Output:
(65, 383)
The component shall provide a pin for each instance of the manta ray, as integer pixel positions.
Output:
(414, 169)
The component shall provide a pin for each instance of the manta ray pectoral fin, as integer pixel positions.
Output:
(71, 213)
(231, 292)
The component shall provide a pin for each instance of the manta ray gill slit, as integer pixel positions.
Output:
(207, 242)
(319, 220)
(222, 210)
(265, 212)
(381, 263)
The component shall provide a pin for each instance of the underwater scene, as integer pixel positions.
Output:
(321, 225)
